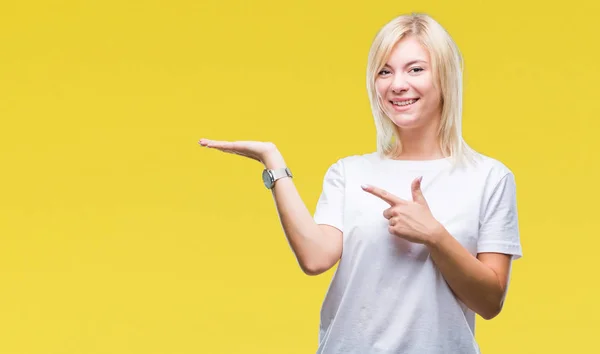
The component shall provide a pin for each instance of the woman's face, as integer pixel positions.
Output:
(405, 85)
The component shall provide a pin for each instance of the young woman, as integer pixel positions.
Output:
(424, 229)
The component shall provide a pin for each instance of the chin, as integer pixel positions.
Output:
(406, 122)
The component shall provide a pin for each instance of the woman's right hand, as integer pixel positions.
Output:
(256, 150)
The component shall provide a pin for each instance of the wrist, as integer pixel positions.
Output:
(437, 235)
(273, 160)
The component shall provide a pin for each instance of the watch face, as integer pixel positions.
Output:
(267, 179)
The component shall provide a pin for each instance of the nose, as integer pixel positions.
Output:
(399, 84)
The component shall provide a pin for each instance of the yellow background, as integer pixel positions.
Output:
(119, 234)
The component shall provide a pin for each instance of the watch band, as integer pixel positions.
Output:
(280, 173)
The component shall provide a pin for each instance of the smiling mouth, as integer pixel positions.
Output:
(404, 103)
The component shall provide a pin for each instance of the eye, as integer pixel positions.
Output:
(415, 70)
(384, 72)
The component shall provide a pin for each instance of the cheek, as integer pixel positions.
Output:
(432, 94)
(424, 84)
(381, 88)
(435, 96)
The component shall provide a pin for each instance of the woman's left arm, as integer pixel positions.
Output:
(479, 282)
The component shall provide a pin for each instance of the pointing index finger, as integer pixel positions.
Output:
(383, 194)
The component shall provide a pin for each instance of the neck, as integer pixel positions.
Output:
(421, 143)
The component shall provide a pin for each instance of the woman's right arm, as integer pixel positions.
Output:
(316, 247)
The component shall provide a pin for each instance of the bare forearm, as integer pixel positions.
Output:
(308, 243)
(474, 283)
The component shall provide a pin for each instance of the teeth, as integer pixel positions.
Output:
(404, 103)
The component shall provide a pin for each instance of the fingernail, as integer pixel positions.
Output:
(420, 179)
(364, 186)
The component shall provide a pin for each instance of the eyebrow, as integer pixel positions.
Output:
(409, 63)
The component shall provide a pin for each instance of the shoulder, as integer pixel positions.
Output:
(359, 160)
(488, 165)
(489, 168)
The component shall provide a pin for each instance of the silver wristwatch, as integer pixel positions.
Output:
(270, 176)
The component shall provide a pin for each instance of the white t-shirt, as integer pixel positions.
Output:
(387, 295)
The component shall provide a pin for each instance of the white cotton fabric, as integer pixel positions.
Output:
(387, 296)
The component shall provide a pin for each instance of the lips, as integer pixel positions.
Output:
(403, 107)
(404, 102)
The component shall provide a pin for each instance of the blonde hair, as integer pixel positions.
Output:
(447, 67)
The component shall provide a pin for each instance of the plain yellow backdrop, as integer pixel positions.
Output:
(119, 234)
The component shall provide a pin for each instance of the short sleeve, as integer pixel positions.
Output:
(330, 206)
(499, 225)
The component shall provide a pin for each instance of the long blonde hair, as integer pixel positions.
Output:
(447, 67)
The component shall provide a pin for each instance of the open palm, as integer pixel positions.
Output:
(256, 150)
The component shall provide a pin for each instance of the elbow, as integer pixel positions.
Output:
(312, 270)
(489, 315)
(316, 267)
(491, 312)
(494, 304)
(312, 273)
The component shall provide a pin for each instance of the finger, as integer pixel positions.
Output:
(393, 221)
(231, 147)
(417, 193)
(383, 194)
(393, 225)
(205, 142)
(218, 144)
(390, 213)
(212, 143)
(225, 146)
